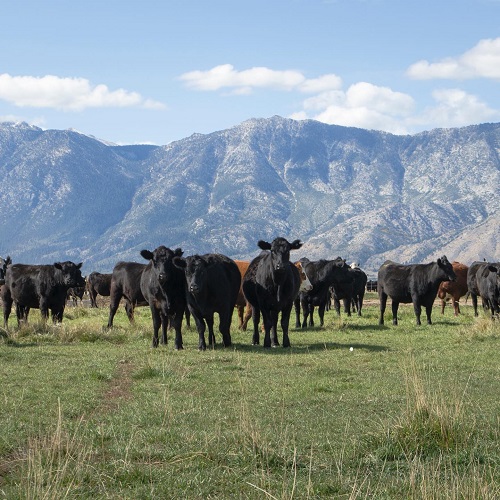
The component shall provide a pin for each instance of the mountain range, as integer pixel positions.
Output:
(361, 194)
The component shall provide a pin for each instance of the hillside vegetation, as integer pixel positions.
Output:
(409, 412)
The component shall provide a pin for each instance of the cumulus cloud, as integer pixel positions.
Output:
(225, 76)
(482, 61)
(67, 94)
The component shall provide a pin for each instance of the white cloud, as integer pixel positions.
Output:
(243, 82)
(68, 94)
(482, 61)
(455, 108)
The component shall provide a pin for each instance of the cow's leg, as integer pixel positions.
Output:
(155, 315)
(443, 305)
(241, 311)
(285, 320)
(347, 305)
(114, 302)
(93, 297)
(474, 302)
(129, 309)
(7, 307)
(268, 323)
(296, 304)
(360, 303)
(255, 320)
(395, 307)
(44, 309)
(200, 326)
(225, 328)
(321, 313)
(274, 329)
(311, 315)
(210, 325)
(305, 312)
(428, 312)
(176, 322)
(336, 306)
(456, 307)
(417, 307)
(247, 316)
(383, 303)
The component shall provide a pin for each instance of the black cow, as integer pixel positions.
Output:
(271, 285)
(483, 279)
(212, 285)
(4, 263)
(163, 287)
(417, 283)
(322, 274)
(358, 288)
(76, 293)
(98, 284)
(126, 283)
(43, 287)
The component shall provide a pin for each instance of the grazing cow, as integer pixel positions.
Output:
(126, 283)
(323, 274)
(76, 293)
(454, 289)
(271, 285)
(3, 268)
(163, 287)
(212, 285)
(483, 279)
(98, 284)
(43, 287)
(417, 283)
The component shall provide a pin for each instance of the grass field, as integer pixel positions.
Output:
(409, 412)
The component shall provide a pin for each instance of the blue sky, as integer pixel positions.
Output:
(155, 71)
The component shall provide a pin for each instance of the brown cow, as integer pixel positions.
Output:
(243, 306)
(454, 289)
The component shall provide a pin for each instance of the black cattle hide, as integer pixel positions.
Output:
(98, 284)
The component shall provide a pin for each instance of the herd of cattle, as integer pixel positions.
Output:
(199, 286)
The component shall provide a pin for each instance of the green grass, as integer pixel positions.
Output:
(410, 412)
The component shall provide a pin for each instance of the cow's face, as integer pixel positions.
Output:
(71, 274)
(305, 283)
(445, 265)
(280, 252)
(195, 270)
(161, 262)
(3, 268)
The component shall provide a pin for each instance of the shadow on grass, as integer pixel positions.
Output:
(304, 348)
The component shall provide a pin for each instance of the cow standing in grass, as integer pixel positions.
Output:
(98, 284)
(416, 283)
(271, 285)
(454, 289)
(43, 287)
(212, 285)
(163, 287)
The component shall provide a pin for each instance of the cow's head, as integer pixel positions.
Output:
(3, 268)
(71, 274)
(280, 252)
(447, 268)
(195, 270)
(305, 283)
(161, 260)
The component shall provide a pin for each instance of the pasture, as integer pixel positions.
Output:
(409, 412)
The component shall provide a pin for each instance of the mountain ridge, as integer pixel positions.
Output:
(364, 195)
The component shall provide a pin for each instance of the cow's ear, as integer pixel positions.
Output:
(493, 269)
(78, 266)
(295, 245)
(8, 260)
(179, 262)
(147, 254)
(178, 252)
(264, 245)
(439, 262)
(57, 265)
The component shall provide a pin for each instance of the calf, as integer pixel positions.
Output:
(454, 289)
(43, 287)
(212, 285)
(163, 287)
(98, 284)
(271, 285)
(323, 274)
(417, 283)
(126, 283)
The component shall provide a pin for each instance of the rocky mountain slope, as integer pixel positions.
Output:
(364, 195)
